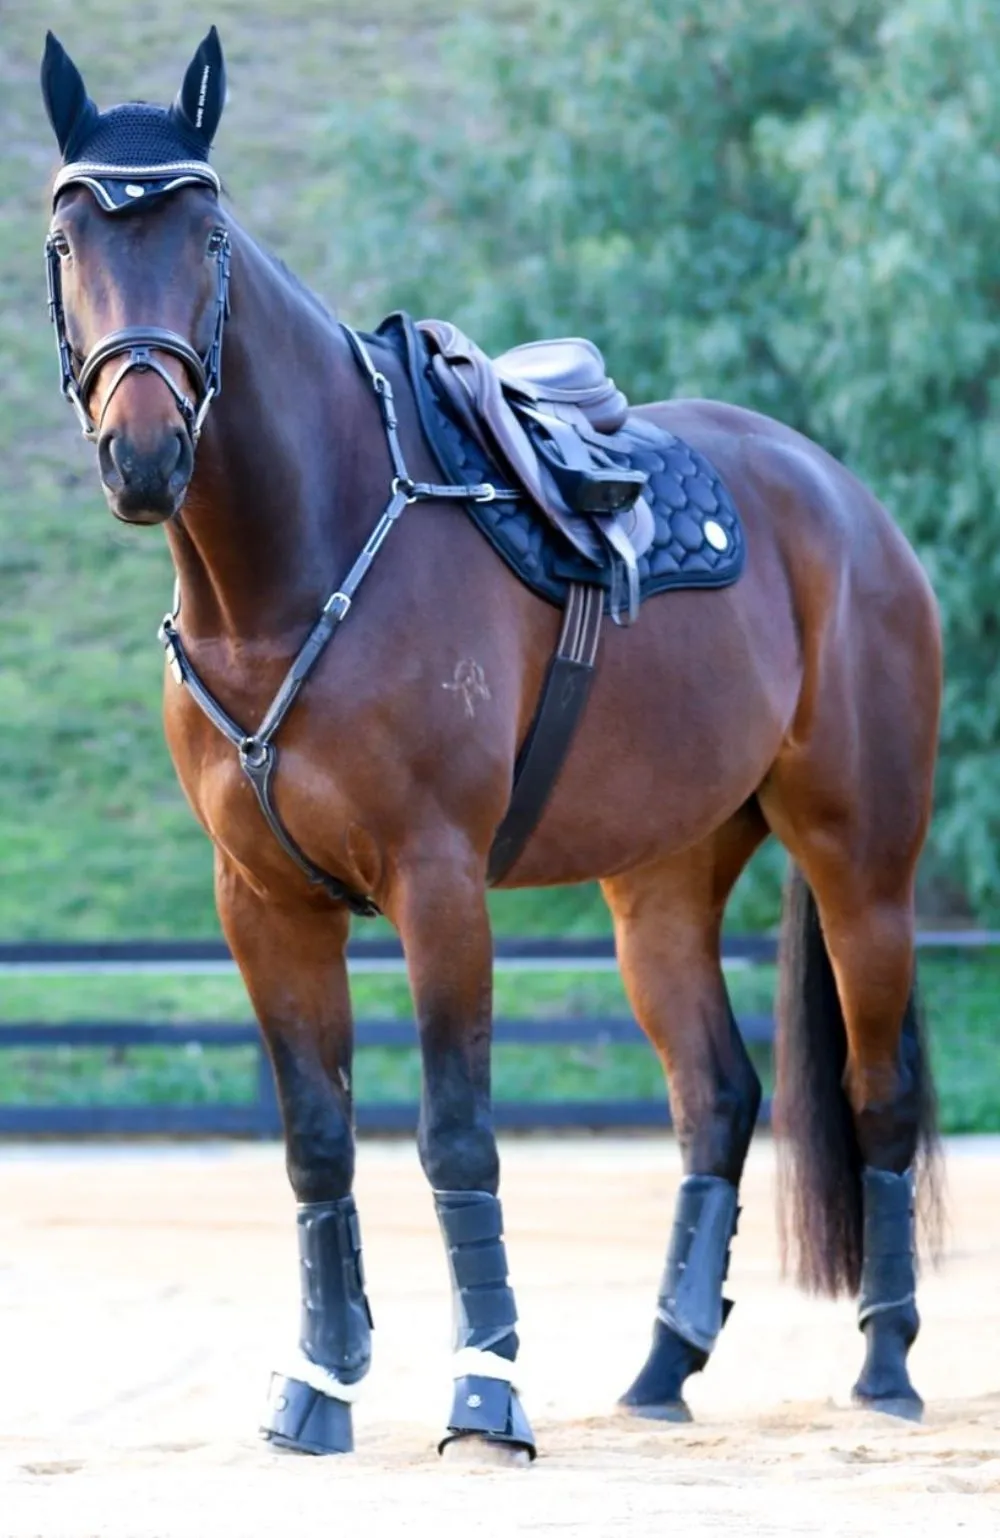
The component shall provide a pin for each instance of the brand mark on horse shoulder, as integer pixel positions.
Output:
(470, 683)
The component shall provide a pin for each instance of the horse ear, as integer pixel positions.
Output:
(202, 97)
(69, 107)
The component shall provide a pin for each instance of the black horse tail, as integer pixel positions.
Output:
(820, 1161)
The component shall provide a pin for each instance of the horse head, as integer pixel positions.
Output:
(138, 271)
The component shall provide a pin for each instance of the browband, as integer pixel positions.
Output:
(118, 187)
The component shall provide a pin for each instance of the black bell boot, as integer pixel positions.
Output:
(887, 1307)
(690, 1308)
(309, 1409)
(485, 1402)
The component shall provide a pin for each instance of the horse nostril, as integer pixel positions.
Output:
(180, 462)
(171, 456)
(109, 452)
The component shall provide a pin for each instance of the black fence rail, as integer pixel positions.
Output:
(258, 1116)
(41, 956)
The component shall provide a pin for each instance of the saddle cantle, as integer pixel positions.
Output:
(543, 410)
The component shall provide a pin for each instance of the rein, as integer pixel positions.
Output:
(139, 343)
(257, 751)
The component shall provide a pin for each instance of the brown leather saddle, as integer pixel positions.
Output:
(541, 411)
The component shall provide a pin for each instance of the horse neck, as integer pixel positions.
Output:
(257, 547)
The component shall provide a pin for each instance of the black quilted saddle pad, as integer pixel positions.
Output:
(699, 540)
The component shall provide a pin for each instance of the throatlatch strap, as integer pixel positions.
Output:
(484, 1310)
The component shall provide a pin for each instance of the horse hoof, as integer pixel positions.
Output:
(907, 1407)
(300, 1419)
(473, 1451)
(487, 1425)
(674, 1410)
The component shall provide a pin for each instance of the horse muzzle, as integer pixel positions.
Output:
(145, 485)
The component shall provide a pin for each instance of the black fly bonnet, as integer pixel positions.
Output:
(127, 157)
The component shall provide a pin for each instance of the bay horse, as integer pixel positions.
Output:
(801, 701)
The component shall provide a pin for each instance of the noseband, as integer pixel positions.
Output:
(137, 345)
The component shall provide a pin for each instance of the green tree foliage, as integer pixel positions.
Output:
(896, 280)
(793, 207)
(597, 169)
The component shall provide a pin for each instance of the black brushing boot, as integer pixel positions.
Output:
(485, 1402)
(690, 1309)
(887, 1308)
(305, 1411)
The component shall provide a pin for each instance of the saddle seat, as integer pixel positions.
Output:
(546, 412)
(568, 371)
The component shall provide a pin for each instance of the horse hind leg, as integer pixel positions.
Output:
(854, 1096)
(667, 920)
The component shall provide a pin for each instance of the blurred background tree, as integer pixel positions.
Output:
(788, 206)
(897, 285)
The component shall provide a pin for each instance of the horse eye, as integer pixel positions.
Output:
(216, 241)
(60, 244)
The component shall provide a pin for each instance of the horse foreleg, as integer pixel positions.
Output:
(292, 961)
(440, 911)
(667, 919)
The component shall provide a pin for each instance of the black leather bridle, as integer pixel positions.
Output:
(137, 345)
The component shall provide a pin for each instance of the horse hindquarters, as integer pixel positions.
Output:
(849, 795)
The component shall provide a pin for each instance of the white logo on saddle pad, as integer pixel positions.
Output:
(715, 534)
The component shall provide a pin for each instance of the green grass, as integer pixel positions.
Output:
(960, 997)
(516, 994)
